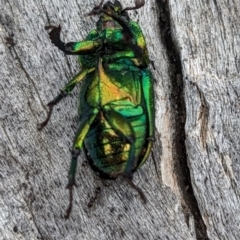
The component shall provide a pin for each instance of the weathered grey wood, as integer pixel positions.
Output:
(207, 34)
(34, 165)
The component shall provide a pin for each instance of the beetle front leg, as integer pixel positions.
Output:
(54, 35)
(72, 48)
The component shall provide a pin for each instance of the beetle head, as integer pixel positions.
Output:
(113, 12)
(110, 8)
(115, 7)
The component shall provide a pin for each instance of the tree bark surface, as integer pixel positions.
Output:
(191, 178)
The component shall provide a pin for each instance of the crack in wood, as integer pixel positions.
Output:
(181, 169)
(28, 76)
(203, 117)
(28, 203)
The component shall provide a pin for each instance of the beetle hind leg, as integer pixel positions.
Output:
(138, 189)
(128, 173)
(71, 179)
(83, 129)
(124, 128)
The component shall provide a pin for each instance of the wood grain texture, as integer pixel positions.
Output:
(191, 179)
(207, 35)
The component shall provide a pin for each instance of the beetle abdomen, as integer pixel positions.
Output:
(108, 151)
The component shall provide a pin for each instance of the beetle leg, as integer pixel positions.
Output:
(83, 129)
(76, 79)
(64, 92)
(119, 123)
(124, 128)
(51, 104)
(71, 179)
(138, 189)
(54, 35)
(147, 88)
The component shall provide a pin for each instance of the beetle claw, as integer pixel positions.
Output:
(41, 125)
(69, 209)
(138, 189)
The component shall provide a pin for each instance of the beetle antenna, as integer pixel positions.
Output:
(96, 10)
(138, 4)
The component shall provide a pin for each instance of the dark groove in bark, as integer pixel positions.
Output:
(182, 171)
(27, 75)
(27, 201)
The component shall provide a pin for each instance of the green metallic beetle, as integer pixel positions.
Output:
(116, 111)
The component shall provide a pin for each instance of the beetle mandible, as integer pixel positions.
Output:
(116, 112)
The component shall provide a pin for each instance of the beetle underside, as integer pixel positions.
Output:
(116, 127)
